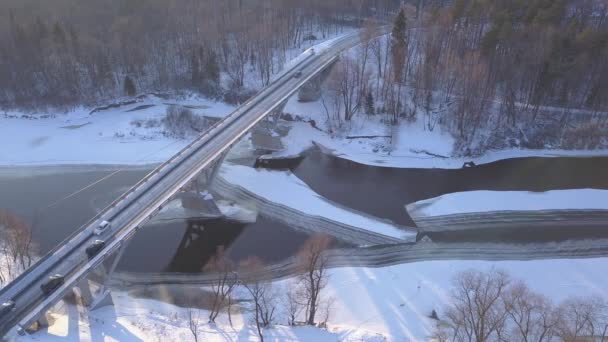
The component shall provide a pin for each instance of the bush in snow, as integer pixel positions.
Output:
(181, 122)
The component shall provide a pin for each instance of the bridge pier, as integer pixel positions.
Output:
(84, 289)
(102, 296)
(208, 174)
(311, 90)
(86, 295)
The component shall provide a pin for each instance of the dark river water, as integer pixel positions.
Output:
(185, 246)
(171, 246)
(383, 191)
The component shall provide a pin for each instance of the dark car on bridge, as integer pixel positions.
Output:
(94, 248)
(53, 283)
(297, 74)
(7, 307)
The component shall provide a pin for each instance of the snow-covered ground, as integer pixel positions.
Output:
(104, 137)
(411, 144)
(483, 201)
(370, 304)
(285, 188)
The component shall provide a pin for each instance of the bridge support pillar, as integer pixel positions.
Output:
(86, 295)
(311, 91)
(43, 321)
(208, 175)
(102, 296)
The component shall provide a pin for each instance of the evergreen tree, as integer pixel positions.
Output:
(369, 104)
(129, 86)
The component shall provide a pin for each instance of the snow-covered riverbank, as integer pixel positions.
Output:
(557, 209)
(370, 304)
(130, 135)
(484, 201)
(369, 141)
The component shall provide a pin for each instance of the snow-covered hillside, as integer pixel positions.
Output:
(407, 145)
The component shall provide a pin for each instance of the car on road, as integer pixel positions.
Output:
(103, 226)
(94, 248)
(297, 74)
(53, 283)
(7, 307)
(312, 51)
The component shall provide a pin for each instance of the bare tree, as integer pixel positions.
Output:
(194, 322)
(313, 264)
(261, 292)
(478, 312)
(531, 315)
(221, 288)
(581, 317)
(294, 301)
(343, 85)
(16, 245)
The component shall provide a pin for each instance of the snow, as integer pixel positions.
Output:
(412, 145)
(104, 137)
(482, 201)
(395, 301)
(236, 212)
(370, 304)
(287, 189)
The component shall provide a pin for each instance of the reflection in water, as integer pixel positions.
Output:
(186, 246)
(383, 192)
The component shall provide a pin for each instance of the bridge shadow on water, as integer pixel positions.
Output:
(186, 246)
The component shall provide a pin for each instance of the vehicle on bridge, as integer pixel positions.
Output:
(297, 74)
(94, 248)
(53, 283)
(7, 307)
(103, 226)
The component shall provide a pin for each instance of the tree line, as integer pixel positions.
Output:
(491, 71)
(68, 51)
(491, 306)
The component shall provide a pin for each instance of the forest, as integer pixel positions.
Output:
(495, 73)
(70, 52)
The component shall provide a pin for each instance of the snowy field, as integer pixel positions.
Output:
(371, 304)
(412, 145)
(287, 189)
(104, 137)
(482, 201)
